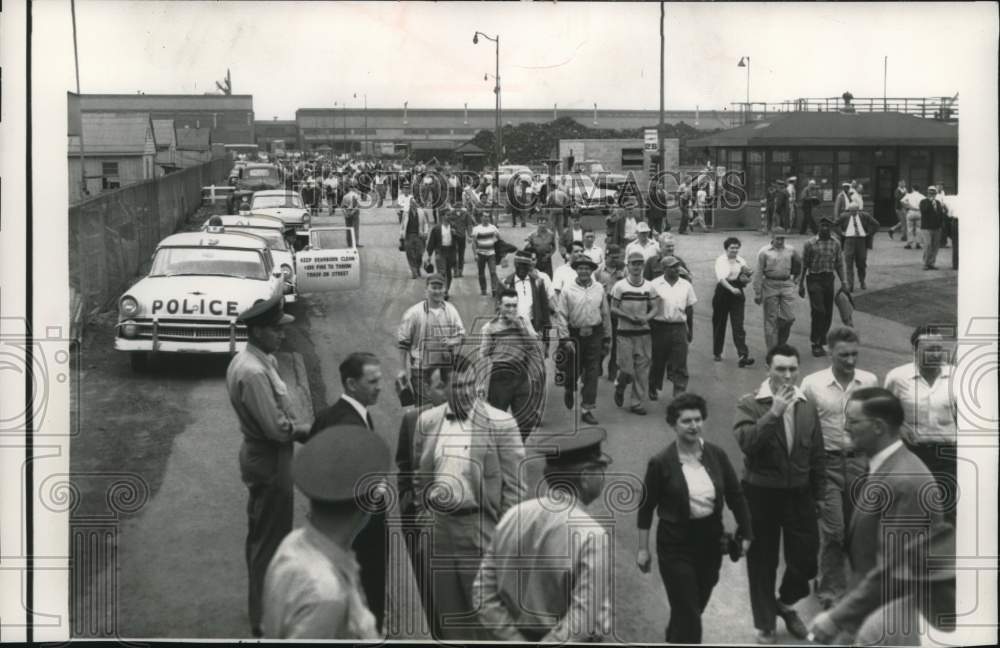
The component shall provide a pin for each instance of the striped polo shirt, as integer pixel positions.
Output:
(486, 238)
(635, 301)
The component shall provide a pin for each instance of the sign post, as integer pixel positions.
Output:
(650, 140)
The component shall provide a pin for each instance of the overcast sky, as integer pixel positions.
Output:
(290, 55)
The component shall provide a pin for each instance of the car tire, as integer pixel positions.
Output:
(139, 361)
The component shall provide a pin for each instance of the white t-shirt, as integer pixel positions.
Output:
(674, 299)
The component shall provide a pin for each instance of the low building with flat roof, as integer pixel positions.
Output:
(229, 116)
(874, 149)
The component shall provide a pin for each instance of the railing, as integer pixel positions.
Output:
(941, 108)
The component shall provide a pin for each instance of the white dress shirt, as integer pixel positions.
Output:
(361, 409)
(854, 228)
(452, 462)
(830, 398)
(649, 250)
(788, 418)
(701, 490)
(929, 411)
(729, 269)
(525, 298)
(445, 235)
(596, 254)
(673, 299)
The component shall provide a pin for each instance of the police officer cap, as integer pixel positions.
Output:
(266, 313)
(583, 260)
(336, 464)
(572, 448)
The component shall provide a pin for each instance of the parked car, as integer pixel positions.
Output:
(197, 286)
(255, 176)
(587, 195)
(601, 176)
(274, 231)
(283, 204)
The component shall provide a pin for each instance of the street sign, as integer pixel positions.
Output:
(651, 140)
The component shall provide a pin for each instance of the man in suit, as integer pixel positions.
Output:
(898, 493)
(361, 378)
(443, 245)
(469, 457)
(779, 432)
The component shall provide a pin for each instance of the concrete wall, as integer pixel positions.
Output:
(112, 236)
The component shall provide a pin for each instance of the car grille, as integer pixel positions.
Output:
(190, 330)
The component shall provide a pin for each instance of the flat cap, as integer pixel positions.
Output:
(436, 278)
(266, 313)
(338, 461)
(583, 260)
(572, 448)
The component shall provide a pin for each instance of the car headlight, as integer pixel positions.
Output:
(128, 307)
(306, 217)
(286, 270)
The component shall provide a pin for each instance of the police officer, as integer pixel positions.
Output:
(546, 575)
(260, 398)
(313, 585)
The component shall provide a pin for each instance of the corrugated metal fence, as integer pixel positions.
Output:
(112, 236)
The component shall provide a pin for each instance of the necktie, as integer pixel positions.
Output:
(368, 419)
(857, 226)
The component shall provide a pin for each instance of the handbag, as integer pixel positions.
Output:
(402, 245)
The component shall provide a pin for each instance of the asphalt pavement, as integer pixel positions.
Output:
(178, 560)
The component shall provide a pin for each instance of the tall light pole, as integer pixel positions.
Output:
(659, 128)
(496, 90)
(745, 62)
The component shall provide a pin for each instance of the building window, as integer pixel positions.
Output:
(755, 175)
(632, 158)
(109, 168)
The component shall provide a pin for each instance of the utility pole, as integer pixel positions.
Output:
(659, 128)
(76, 63)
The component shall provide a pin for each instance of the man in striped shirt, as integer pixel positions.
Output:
(485, 236)
(634, 301)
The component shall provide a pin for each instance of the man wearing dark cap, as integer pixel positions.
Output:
(313, 587)
(260, 398)
(427, 335)
(546, 576)
(778, 266)
(821, 259)
(584, 325)
(543, 242)
(534, 294)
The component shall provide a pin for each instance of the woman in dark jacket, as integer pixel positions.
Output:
(685, 484)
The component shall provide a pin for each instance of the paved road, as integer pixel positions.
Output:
(180, 569)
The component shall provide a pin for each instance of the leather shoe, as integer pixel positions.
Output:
(792, 621)
(818, 351)
(588, 418)
(638, 409)
(765, 637)
(619, 394)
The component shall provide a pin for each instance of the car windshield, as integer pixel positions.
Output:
(274, 239)
(219, 262)
(330, 239)
(289, 200)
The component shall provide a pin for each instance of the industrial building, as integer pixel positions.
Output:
(230, 117)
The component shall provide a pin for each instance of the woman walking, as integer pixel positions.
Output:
(685, 484)
(729, 302)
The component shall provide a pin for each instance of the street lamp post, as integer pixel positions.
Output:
(497, 137)
(364, 150)
(745, 62)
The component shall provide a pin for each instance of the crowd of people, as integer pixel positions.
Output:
(828, 460)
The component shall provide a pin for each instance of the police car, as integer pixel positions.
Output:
(197, 286)
(272, 230)
(282, 204)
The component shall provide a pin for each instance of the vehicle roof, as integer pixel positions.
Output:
(275, 192)
(253, 220)
(243, 240)
(262, 164)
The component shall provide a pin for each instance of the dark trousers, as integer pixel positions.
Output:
(855, 255)
(940, 459)
(459, 254)
(954, 244)
(683, 226)
(445, 258)
(820, 287)
(354, 223)
(613, 356)
(670, 351)
(807, 218)
(727, 306)
(270, 510)
(523, 395)
(777, 512)
(544, 265)
(372, 552)
(689, 569)
(583, 359)
(484, 261)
